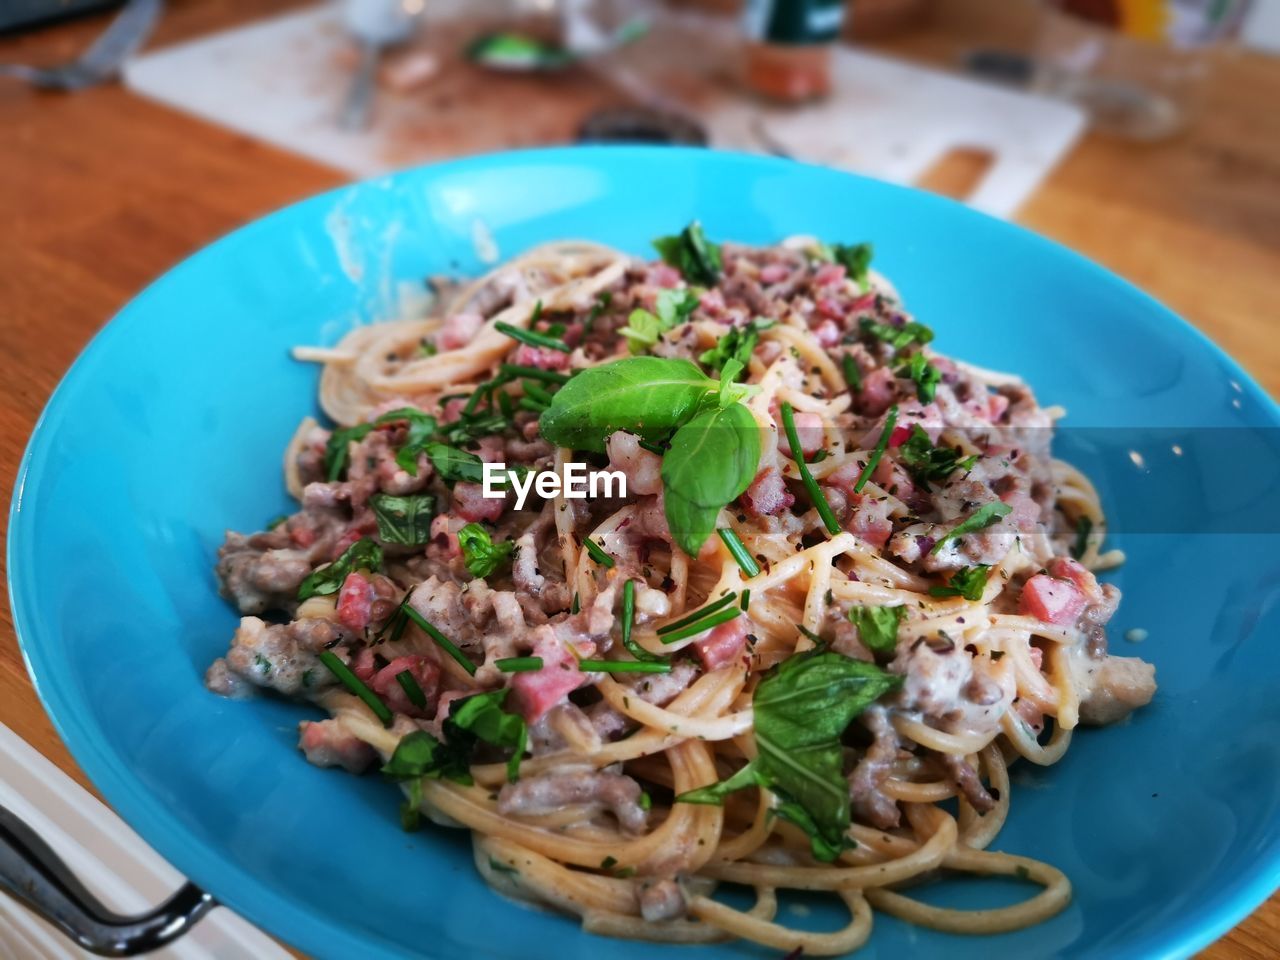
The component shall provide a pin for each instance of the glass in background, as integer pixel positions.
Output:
(1138, 66)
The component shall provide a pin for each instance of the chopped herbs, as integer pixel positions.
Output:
(1084, 527)
(411, 688)
(701, 626)
(644, 328)
(518, 664)
(514, 371)
(927, 463)
(738, 344)
(444, 642)
(532, 337)
(500, 867)
(980, 519)
(897, 337)
(877, 627)
(745, 603)
(699, 614)
(624, 666)
(608, 863)
(454, 464)
(421, 430)
(925, 375)
(364, 554)
(882, 444)
(738, 550)
(356, 686)
(968, 582)
(852, 375)
(690, 252)
(802, 709)
(337, 449)
(856, 260)
(404, 520)
(816, 495)
(597, 553)
(628, 621)
(482, 556)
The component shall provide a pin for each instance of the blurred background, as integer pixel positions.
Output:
(1143, 133)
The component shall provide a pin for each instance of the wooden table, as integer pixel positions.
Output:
(101, 192)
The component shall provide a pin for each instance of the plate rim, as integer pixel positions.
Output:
(297, 922)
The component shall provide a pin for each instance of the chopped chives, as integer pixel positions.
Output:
(532, 338)
(577, 603)
(445, 643)
(852, 375)
(628, 620)
(356, 686)
(698, 614)
(411, 688)
(1084, 527)
(739, 551)
(881, 445)
(504, 402)
(657, 448)
(724, 616)
(533, 389)
(811, 635)
(624, 666)
(597, 553)
(515, 370)
(518, 664)
(811, 485)
(746, 601)
(528, 403)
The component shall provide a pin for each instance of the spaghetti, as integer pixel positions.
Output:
(583, 685)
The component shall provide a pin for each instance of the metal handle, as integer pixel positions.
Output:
(33, 874)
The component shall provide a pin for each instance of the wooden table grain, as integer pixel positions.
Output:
(100, 192)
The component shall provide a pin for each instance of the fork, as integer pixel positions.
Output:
(103, 58)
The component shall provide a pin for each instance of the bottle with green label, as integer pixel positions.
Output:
(789, 44)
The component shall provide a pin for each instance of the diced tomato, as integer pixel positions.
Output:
(471, 504)
(355, 602)
(768, 494)
(534, 692)
(829, 274)
(1051, 600)
(901, 432)
(1065, 568)
(808, 431)
(425, 672)
(723, 645)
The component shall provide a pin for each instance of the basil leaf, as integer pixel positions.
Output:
(404, 520)
(337, 450)
(801, 710)
(364, 554)
(856, 259)
(690, 252)
(419, 754)
(481, 717)
(897, 337)
(877, 627)
(422, 428)
(926, 376)
(648, 396)
(980, 519)
(967, 582)
(455, 464)
(926, 463)
(712, 460)
(483, 557)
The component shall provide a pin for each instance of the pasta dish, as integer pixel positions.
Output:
(840, 586)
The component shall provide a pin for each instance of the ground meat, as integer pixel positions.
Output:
(477, 618)
(643, 469)
(870, 805)
(326, 743)
(280, 657)
(258, 580)
(1112, 687)
(967, 781)
(662, 900)
(615, 792)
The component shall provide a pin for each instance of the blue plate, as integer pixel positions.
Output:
(170, 428)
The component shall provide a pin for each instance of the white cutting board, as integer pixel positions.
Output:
(281, 80)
